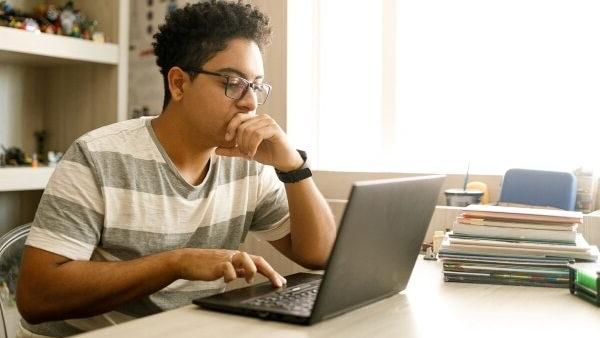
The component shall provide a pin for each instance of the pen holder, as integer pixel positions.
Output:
(584, 281)
(462, 198)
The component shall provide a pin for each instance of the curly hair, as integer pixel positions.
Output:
(194, 34)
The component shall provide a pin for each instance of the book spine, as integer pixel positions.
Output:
(514, 233)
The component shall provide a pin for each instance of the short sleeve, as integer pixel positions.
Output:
(271, 220)
(70, 215)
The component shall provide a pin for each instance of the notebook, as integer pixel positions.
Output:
(496, 212)
(377, 244)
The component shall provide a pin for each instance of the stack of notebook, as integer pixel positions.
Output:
(518, 246)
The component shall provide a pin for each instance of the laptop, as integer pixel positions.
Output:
(377, 244)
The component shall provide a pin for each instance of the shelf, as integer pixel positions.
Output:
(24, 178)
(19, 46)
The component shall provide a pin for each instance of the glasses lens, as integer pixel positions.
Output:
(235, 88)
(262, 92)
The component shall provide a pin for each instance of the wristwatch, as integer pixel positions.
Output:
(296, 175)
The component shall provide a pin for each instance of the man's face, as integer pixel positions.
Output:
(207, 109)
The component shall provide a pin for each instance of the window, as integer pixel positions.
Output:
(429, 86)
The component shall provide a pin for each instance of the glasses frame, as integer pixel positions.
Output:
(247, 83)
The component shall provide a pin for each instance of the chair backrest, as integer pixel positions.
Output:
(539, 188)
(11, 251)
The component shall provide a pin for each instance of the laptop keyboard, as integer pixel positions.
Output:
(299, 298)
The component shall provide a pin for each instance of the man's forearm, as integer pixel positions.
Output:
(52, 287)
(312, 224)
(80, 288)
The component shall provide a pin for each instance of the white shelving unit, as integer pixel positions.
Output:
(63, 85)
(24, 178)
(19, 46)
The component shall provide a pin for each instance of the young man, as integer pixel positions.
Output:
(145, 215)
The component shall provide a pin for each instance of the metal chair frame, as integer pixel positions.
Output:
(6, 241)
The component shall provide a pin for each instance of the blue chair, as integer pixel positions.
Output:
(539, 188)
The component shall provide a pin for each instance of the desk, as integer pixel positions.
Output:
(427, 308)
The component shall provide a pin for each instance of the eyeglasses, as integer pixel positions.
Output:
(236, 87)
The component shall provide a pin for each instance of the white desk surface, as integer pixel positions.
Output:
(429, 307)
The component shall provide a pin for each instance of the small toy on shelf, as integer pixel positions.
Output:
(68, 20)
(2, 156)
(88, 29)
(15, 156)
(53, 158)
(40, 143)
(98, 37)
(34, 160)
(6, 8)
(31, 25)
(51, 19)
(48, 16)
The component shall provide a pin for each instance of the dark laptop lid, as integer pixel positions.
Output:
(379, 239)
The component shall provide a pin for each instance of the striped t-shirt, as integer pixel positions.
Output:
(117, 196)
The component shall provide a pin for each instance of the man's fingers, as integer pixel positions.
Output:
(235, 122)
(228, 271)
(240, 264)
(257, 138)
(265, 269)
(243, 261)
(247, 132)
(231, 152)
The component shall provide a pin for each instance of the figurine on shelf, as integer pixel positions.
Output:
(2, 156)
(34, 160)
(88, 28)
(49, 18)
(6, 9)
(53, 158)
(15, 156)
(31, 25)
(98, 37)
(15, 23)
(40, 143)
(68, 20)
(53, 14)
(47, 27)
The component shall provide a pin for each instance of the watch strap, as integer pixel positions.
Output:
(296, 175)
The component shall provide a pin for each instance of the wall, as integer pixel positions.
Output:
(336, 185)
(145, 80)
(275, 58)
(21, 106)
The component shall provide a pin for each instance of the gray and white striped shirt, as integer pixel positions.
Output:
(116, 196)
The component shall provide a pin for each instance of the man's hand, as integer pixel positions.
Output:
(259, 137)
(212, 264)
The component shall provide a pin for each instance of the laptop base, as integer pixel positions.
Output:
(233, 301)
